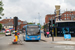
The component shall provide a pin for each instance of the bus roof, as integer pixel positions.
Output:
(61, 21)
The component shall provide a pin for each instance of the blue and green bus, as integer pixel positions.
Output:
(31, 32)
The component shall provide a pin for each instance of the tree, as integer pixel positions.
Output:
(1, 9)
(38, 24)
(43, 27)
(31, 23)
(0, 26)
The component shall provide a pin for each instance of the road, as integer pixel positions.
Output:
(6, 44)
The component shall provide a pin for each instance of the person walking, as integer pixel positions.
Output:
(47, 33)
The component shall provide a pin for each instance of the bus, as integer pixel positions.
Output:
(31, 32)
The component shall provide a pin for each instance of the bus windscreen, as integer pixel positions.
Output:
(33, 31)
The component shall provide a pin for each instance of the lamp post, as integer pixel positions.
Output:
(39, 17)
(35, 20)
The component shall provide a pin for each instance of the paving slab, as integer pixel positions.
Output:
(58, 40)
(64, 42)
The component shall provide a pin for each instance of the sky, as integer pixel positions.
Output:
(33, 10)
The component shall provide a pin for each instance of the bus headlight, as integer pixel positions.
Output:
(27, 37)
(38, 37)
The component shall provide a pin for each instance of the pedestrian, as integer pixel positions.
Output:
(18, 34)
(47, 33)
(51, 32)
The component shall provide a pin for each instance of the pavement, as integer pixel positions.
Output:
(58, 40)
(1, 35)
(64, 42)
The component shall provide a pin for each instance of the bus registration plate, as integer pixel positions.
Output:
(33, 38)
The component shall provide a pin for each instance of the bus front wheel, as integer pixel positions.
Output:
(37, 40)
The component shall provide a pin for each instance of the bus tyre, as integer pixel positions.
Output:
(25, 40)
(37, 40)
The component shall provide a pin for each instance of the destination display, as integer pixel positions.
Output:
(33, 26)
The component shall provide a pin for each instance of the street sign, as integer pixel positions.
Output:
(67, 36)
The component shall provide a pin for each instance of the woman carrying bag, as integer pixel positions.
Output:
(47, 33)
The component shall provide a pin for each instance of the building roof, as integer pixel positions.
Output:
(50, 14)
(59, 21)
(70, 11)
(24, 22)
(4, 21)
(8, 24)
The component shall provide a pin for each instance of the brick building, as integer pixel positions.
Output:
(49, 17)
(67, 15)
(5, 22)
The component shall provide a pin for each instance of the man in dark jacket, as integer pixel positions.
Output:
(44, 33)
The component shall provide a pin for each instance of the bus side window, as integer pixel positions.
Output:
(25, 31)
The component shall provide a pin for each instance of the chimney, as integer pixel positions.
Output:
(6, 17)
(10, 17)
